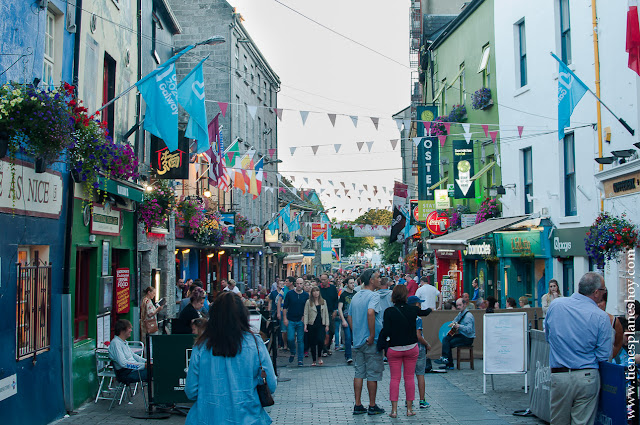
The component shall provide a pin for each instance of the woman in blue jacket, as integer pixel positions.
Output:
(224, 368)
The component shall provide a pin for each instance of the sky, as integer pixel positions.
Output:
(323, 73)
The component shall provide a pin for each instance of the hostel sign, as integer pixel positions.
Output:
(428, 154)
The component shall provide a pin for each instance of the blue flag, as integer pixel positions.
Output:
(160, 92)
(570, 91)
(295, 224)
(273, 226)
(191, 97)
(285, 213)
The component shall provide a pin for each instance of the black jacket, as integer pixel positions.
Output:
(183, 324)
(399, 324)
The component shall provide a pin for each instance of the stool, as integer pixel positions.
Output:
(464, 359)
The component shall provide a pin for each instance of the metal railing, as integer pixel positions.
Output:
(33, 309)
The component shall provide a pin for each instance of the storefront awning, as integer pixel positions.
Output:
(460, 239)
(483, 171)
(444, 180)
(190, 243)
(289, 259)
(121, 188)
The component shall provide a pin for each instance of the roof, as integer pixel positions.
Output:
(459, 239)
(455, 23)
(164, 8)
(433, 25)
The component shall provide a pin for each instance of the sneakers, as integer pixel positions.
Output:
(375, 410)
(349, 361)
(441, 360)
(446, 367)
(300, 363)
(324, 354)
(424, 404)
(291, 359)
(385, 360)
(340, 348)
(359, 409)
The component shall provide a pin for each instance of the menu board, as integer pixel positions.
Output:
(505, 343)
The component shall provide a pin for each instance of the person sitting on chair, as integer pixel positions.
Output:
(129, 366)
(462, 334)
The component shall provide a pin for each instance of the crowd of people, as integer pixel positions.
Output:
(373, 319)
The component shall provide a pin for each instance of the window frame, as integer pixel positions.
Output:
(49, 60)
(485, 66)
(565, 31)
(569, 175)
(568, 280)
(522, 52)
(33, 307)
(527, 173)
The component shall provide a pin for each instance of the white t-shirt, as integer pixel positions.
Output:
(235, 289)
(429, 294)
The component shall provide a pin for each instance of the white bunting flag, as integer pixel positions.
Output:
(416, 140)
(407, 124)
(332, 118)
(369, 145)
(375, 121)
(252, 110)
(394, 143)
(361, 191)
(399, 124)
(304, 115)
(331, 183)
(467, 137)
(293, 179)
(337, 146)
(306, 180)
(354, 118)
(466, 127)
(293, 150)
(315, 148)
(360, 144)
(354, 185)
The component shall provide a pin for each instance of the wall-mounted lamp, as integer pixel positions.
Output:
(221, 252)
(207, 193)
(186, 251)
(210, 255)
(605, 160)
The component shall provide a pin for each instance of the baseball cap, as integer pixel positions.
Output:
(413, 299)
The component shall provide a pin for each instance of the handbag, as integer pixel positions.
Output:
(150, 325)
(264, 393)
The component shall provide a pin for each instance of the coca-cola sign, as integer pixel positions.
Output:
(437, 223)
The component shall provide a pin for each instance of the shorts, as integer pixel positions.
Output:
(368, 363)
(421, 364)
(283, 328)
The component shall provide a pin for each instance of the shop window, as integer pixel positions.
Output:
(81, 308)
(528, 180)
(33, 301)
(567, 277)
(570, 202)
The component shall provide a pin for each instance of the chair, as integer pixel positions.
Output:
(468, 359)
(138, 348)
(123, 387)
(104, 370)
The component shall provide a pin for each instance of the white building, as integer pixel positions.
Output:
(553, 177)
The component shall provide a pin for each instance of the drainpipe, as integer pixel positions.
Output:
(66, 302)
(596, 57)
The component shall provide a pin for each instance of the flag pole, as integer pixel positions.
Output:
(620, 120)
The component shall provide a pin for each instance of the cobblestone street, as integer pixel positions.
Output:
(325, 395)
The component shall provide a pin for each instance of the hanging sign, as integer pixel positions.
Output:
(122, 291)
(319, 229)
(105, 220)
(463, 169)
(428, 153)
(437, 223)
(228, 220)
(442, 199)
(170, 165)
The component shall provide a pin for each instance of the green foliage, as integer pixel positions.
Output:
(390, 251)
(375, 217)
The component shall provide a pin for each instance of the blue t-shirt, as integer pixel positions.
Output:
(361, 302)
(294, 304)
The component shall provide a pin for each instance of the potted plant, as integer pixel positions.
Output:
(608, 236)
(157, 205)
(209, 231)
(299, 238)
(481, 99)
(190, 213)
(458, 113)
(34, 122)
(437, 126)
(285, 237)
(488, 209)
(242, 225)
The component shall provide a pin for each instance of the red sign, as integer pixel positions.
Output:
(122, 291)
(437, 223)
(319, 229)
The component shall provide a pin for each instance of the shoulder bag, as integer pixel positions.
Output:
(264, 393)
(150, 325)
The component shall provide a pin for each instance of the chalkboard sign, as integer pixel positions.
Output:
(171, 355)
(505, 344)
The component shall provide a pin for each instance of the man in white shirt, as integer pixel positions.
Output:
(428, 293)
(129, 366)
(232, 287)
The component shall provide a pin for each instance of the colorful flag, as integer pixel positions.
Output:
(570, 91)
(295, 224)
(259, 167)
(633, 36)
(191, 97)
(158, 88)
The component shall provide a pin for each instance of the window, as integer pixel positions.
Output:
(33, 303)
(265, 91)
(237, 53)
(485, 67)
(81, 309)
(570, 205)
(567, 277)
(443, 97)
(108, 91)
(259, 85)
(490, 176)
(522, 47)
(565, 32)
(49, 49)
(528, 180)
(155, 25)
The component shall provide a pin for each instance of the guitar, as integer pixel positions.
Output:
(454, 330)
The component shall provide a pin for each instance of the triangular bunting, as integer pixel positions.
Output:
(223, 107)
(342, 183)
(354, 185)
(394, 143)
(278, 112)
(416, 140)
(467, 137)
(354, 118)
(360, 145)
(293, 179)
(293, 150)
(399, 124)
(315, 148)
(443, 139)
(332, 118)
(304, 115)
(319, 182)
(337, 147)
(447, 126)
(365, 187)
(375, 121)
(331, 183)
(407, 124)
(485, 127)
(252, 111)
(427, 126)
(466, 127)
(369, 145)
(272, 152)
(494, 136)
(306, 180)
(520, 129)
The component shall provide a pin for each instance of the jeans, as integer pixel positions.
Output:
(397, 361)
(337, 324)
(449, 342)
(296, 329)
(348, 342)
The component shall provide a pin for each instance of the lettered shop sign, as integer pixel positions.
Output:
(35, 195)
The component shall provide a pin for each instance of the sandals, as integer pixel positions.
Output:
(393, 414)
(410, 413)
(313, 364)
(320, 362)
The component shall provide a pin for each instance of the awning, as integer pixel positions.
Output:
(309, 253)
(121, 188)
(483, 171)
(444, 180)
(289, 259)
(190, 243)
(459, 240)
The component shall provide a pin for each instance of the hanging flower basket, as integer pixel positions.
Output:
(210, 232)
(437, 126)
(458, 113)
(190, 213)
(157, 206)
(608, 236)
(488, 209)
(285, 237)
(242, 225)
(455, 216)
(481, 99)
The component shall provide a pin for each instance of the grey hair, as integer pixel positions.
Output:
(590, 283)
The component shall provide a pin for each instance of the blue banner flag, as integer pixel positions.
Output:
(295, 224)
(191, 97)
(160, 92)
(570, 91)
(273, 226)
(285, 213)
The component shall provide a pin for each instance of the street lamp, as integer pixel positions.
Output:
(216, 39)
